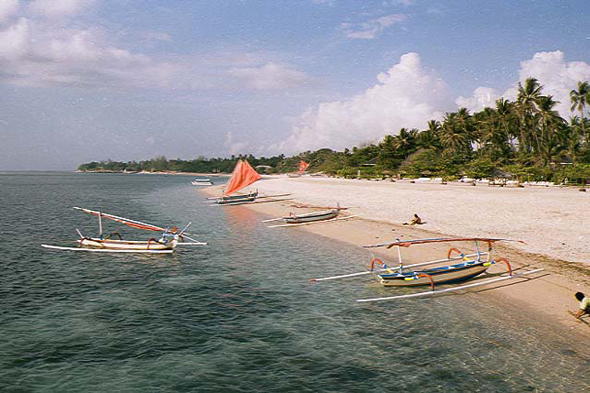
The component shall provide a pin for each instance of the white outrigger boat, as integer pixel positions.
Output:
(166, 244)
(461, 268)
(202, 181)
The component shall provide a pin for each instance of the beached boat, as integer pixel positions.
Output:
(317, 217)
(452, 269)
(310, 217)
(202, 181)
(242, 176)
(166, 243)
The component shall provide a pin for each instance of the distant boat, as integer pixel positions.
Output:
(242, 176)
(301, 168)
(165, 244)
(202, 181)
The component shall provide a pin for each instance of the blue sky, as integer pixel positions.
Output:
(84, 80)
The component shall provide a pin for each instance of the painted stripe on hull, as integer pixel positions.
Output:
(438, 278)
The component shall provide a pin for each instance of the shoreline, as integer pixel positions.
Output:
(545, 296)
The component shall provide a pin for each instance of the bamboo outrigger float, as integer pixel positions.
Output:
(462, 267)
(166, 244)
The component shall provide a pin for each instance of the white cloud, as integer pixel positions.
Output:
(40, 52)
(39, 55)
(408, 95)
(8, 8)
(482, 97)
(270, 76)
(557, 76)
(371, 29)
(58, 8)
(14, 42)
(235, 147)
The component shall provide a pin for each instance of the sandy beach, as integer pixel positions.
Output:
(550, 221)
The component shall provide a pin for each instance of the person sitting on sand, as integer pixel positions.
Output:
(584, 304)
(415, 221)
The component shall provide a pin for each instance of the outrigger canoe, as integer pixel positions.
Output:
(242, 176)
(310, 217)
(455, 268)
(166, 243)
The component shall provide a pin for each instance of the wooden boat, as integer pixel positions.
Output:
(166, 243)
(310, 217)
(202, 181)
(237, 199)
(466, 267)
(242, 176)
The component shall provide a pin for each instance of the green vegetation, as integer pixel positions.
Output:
(526, 139)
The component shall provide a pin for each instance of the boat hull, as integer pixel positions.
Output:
(310, 217)
(234, 199)
(126, 244)
(444, 275)
(202, 181)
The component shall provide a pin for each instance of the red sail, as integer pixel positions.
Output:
(243, 176)
(303, 166)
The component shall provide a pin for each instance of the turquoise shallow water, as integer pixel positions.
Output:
(237, 316)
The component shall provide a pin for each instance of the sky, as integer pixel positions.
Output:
(91, 80)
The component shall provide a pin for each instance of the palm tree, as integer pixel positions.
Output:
(580, 98)
(452, 137)
(405, 141)
(507, 117)
(430, 138)
(549, 123)
(528, 95)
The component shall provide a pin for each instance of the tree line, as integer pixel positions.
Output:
(525, 138)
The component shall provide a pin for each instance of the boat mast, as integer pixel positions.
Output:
(100, 223)
(399, 258)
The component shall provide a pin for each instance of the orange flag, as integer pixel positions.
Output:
(303, 166)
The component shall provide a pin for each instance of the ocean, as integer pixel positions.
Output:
(239, 315)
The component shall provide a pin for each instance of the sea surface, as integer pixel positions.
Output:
(239, 315)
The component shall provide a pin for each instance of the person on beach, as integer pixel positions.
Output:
(584, 304)
(415, 221)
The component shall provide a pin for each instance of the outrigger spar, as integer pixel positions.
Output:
(170, 238)
(467, 266)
